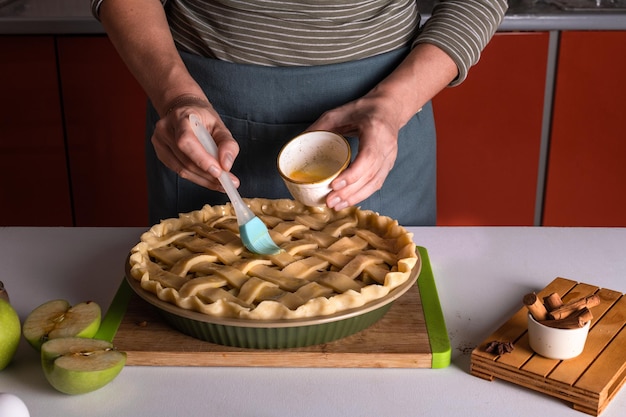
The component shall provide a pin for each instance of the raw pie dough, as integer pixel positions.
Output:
(331, 261)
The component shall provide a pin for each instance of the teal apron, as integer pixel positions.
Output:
(266, 106)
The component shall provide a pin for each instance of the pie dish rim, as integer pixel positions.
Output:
(197, 316)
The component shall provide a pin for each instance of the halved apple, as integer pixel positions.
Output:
(75, 365)
(57, 318)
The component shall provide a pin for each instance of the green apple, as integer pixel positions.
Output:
(75, 365)
(9, 329)
(57, 318)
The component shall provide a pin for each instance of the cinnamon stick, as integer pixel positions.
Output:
(573, 321)
(570, 308)
(535, 306)
(553, 301)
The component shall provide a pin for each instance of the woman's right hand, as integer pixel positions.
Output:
(178, 148)
(140, 32)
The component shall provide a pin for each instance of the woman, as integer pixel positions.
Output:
(258, 72)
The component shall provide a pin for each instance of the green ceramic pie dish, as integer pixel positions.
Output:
(274, 334)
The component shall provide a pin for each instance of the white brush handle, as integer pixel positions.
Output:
(243, 212)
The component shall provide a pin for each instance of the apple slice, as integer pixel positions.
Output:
(57, 318)
(75, 365)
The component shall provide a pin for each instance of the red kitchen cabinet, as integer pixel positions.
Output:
(489, 134)
(34, 188)
(586, 180)
(105, 122)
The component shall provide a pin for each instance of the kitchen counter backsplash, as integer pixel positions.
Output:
(33, 17)
(74, 16)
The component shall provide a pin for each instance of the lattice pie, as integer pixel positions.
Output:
(330, 262)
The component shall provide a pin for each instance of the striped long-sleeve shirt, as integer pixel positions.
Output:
(304, 32)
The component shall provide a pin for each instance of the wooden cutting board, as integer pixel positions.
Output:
(588, 382)
(411, 335)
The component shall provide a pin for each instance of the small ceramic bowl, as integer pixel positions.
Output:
(556, 343)
(310, 162)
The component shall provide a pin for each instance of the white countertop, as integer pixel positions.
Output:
(471, 265)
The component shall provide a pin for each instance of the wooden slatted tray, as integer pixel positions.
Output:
(588, 382)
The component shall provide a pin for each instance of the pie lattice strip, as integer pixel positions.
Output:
(330, 261)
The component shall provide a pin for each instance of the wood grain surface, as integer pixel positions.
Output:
(398, 340)
(589, 381)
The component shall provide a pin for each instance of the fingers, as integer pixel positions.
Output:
(362, 179)
(377, 130)
(178, 148)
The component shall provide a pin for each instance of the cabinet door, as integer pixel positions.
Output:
(34, 186)
(105, 122)
(586, 181)
(489, 134)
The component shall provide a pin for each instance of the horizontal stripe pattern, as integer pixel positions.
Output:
(302, 33)
(463, 29)
(278, 33)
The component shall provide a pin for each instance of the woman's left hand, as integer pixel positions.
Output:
(377, 117)
(371, 119)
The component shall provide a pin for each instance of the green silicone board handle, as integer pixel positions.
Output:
(433, 315)
(113, 318)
